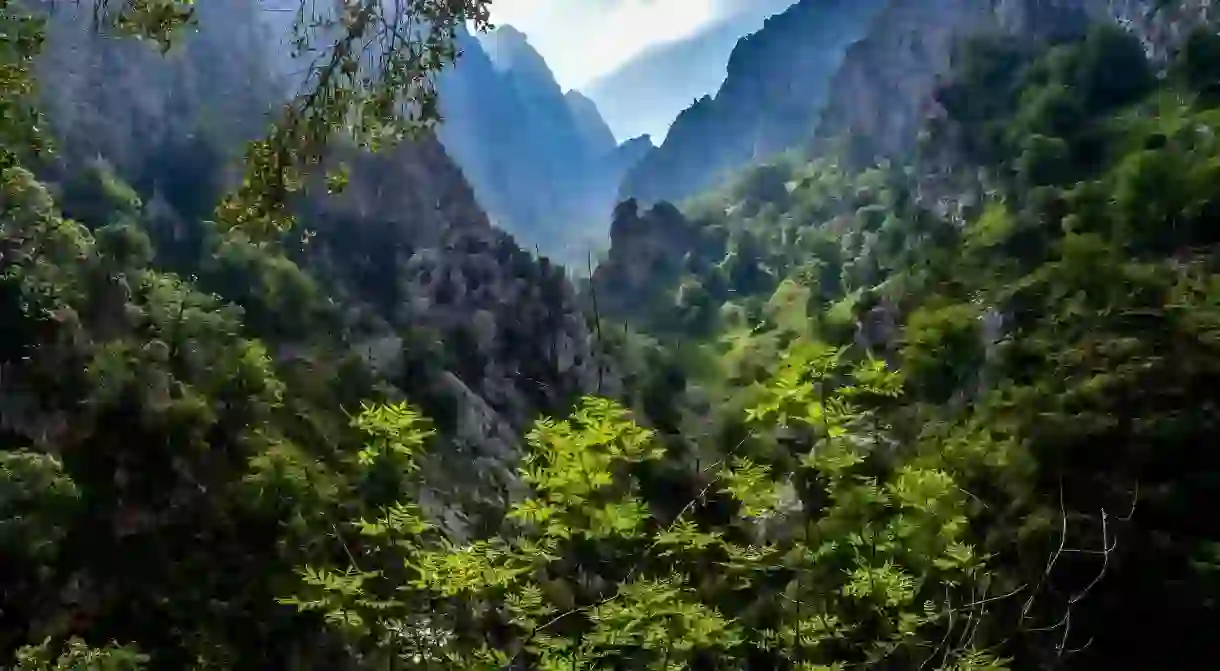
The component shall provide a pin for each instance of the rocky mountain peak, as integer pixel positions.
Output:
(543, 163)
(594, 130)
(511, 51)
(770, 99)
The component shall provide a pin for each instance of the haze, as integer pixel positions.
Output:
(582, 40)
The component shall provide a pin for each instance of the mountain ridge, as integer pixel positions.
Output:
(672, 74)
(773, 91)
(539, 159)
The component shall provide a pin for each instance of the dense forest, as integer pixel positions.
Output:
(947, 410)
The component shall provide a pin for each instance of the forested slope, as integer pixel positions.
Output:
(1064, 310)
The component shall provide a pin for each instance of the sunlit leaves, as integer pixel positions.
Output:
(685, 536)
(76, 655)
(658, 615)
(571, 460)
(624, 518)
(752, 485)
(585, 575)
(472, 569)
(886, 584)
(396, 435)
(923, 490)
(397, 520)
(339, 597)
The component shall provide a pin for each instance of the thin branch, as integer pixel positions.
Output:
(1050, 565)
(1107, 548)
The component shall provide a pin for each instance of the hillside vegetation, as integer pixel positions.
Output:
(1040, 277)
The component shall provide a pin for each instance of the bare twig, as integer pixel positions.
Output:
(1109, 543)
(1050, 564)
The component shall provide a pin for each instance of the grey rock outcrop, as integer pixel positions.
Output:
(883, 92)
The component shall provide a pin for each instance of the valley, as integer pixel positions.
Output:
(833, 335)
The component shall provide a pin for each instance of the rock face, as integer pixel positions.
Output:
(646, 254)
(882, 93)
(413, 249)
(120, 99)
(527, 345)
(775, 86)
(861, 71)
(542, 163)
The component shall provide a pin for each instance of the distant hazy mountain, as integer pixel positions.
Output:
(770, 100)
(594, 131)
(543, 164)
(645, 94)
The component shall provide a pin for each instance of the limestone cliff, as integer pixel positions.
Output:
(646, 259)
(418, 256)
(593, 129)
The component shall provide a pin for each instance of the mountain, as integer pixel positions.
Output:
(405, 250)
(509, 48)
(595, 133)
(645, 94)
(879, 100)
(541, 162)
(874, 86)
(775, 85)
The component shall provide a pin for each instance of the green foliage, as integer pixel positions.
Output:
(133, 408)
(1040, 329)
(587, 572)
(75, 655)
(943, 348)
(1017, 483)
(1008, 102)
(1198, 63)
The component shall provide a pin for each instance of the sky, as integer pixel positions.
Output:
(583, 39)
